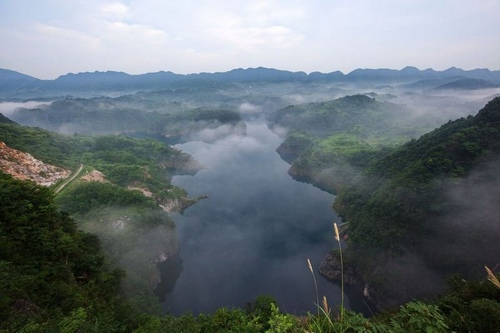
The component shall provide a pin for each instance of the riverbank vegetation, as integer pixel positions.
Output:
(55, 278)
(402, 201)
(437, 192)
(118, 197)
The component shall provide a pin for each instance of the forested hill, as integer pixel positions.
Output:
(51, 274)
(435, 199)
(451, 150)
(158, 115)
(327, 142)
(355, 114)
(5, 120)
(120, 190)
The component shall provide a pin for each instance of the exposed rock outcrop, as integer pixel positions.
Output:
(94, 176)
(178, 205)
(24, 166)
(331, 269)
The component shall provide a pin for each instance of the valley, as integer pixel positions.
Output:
(210, 191)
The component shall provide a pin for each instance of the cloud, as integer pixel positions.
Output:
(220, 133)
(115, 10)
(192, 36)
(249, 108)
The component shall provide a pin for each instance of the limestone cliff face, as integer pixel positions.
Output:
(25, 167)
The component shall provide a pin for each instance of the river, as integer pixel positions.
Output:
(254, 233)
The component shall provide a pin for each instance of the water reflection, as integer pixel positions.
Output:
(255, 232)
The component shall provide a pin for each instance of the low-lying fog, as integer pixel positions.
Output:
(8, 108)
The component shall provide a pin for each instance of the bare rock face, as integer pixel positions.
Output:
(331, 269)
(25, 167)
(94, 176)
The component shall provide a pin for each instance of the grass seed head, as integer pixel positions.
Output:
(337, 235)
(325, 305)
(492, 277)
(310, 265)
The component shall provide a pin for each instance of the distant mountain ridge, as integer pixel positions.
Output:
(113, 80)
(469, 84)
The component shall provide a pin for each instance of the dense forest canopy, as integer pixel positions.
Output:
(133, 228)
(328, 142)
(437, 192)
(50, 270)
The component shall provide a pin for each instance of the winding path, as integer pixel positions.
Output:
(68, 180)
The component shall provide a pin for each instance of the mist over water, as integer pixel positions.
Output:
(255, 232)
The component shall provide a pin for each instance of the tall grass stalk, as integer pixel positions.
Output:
(315, 284)
(492, 277)
(337, 238)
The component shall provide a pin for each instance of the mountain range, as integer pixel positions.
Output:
(11, 81)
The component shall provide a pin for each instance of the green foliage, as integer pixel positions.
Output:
(48, 268)
(295, 144)
(419, 317)
(358, 115)
(124, 161)
(397, 207)
(225, 320)
(91, 195)
(262, 309)
(49, 147)
(412, 317)
(330, 142)
(471, 306)
(131, 226)
(391, 206)
(282, 322)
(158, 113)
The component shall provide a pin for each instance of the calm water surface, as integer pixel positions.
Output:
(255, 232)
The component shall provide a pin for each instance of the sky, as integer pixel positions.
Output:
(49, 38)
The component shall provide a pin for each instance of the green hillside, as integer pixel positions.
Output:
(402, 189)
(52, 274)
(123, 207)
(351, 114)
(54, 278)
(402, 201)
(429, 207)
(161, 115)
(328, 142)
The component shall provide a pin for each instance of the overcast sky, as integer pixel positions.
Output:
(49, 38)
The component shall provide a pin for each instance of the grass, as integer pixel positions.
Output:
(337, 238)
(318, 323)
(315, 284)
